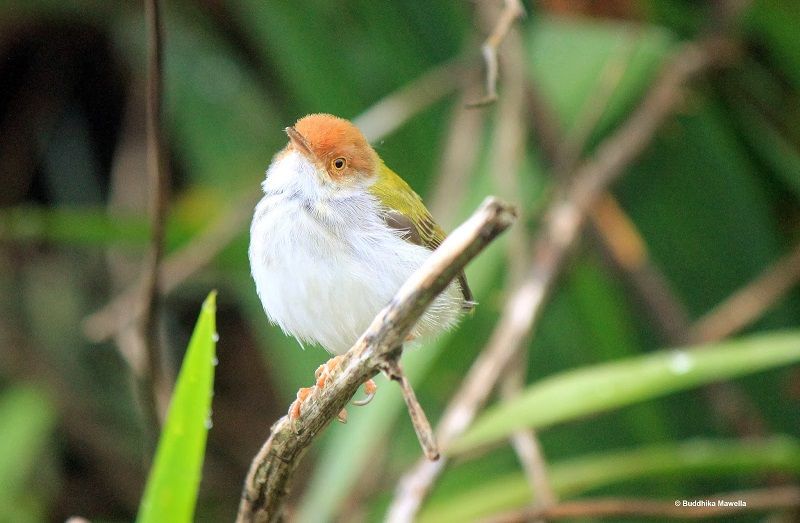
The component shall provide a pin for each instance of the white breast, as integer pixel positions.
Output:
(325, 263)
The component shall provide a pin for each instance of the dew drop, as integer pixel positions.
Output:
(214, 361)
(681, 363)
(215, 337)
(209, 424)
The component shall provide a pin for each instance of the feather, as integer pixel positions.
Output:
(405, 212)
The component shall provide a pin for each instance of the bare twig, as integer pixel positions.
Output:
(562, 223)
(267, 482)
(525, 442)
(506, 158)
(154, 384)
(457, 163)
(419, 420)
(749, 303)
(511, 11)
(758, 500)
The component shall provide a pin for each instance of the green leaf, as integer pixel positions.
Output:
(171, 491)
(28, 418)
(603, 387)
(694, 458)
(85, 226)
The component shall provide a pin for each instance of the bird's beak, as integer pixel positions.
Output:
(299, 142)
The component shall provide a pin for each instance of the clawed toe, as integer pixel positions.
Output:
(370, 387)
(323, 375)
(294, 410)
(325, 371)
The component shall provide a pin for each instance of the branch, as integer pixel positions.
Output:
(267, 482)
(756, 501)
(562, 224)
(511, 11)
(153, 383)
(525, 441)
(749, 303)
(506, 155)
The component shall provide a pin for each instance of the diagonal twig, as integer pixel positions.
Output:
(267, 482)
(562, 223)
(749, 303)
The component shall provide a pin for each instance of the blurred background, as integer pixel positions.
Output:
(710, 207)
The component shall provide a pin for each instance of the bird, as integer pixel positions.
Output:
(333, 238)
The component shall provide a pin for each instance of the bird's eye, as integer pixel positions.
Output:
(339, 163)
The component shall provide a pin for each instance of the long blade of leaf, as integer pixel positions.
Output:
(603, 387)
(694, 458)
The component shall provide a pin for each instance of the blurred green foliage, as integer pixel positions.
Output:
(715, 198)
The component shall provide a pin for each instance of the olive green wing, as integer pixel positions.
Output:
(406, 213)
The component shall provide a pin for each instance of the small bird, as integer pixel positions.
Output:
(335, 236)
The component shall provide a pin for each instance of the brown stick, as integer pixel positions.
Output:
(627, 250)
(759, 500)
(419, 420)
(525, 442)
(394, 110)
(506, 155)
(154, 382)
(268, 480)
(749, 303)
(560, 229)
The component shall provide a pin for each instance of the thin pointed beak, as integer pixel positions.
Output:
(299, 142)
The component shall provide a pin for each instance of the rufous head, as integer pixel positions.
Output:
(334, 145)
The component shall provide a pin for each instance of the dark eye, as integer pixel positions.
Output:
(339, 163)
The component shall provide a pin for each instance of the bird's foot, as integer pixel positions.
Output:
(370, 387)
(323, 376)
(294, 410)
(324, 372)
(302, 394)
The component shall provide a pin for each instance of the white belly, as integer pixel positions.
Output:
(323, 276)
